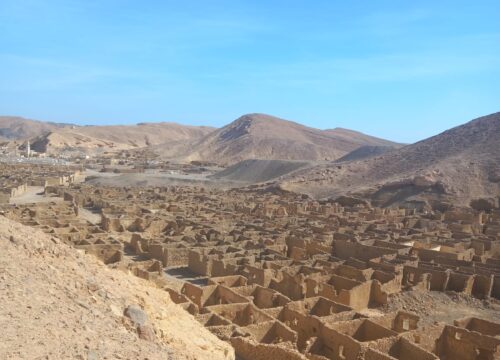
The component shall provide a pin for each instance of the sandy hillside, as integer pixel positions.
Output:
(120, 137)
(145, 134)
(260, 136)
(18, 128)
(58, 303)
(457, 165)
(252, 136)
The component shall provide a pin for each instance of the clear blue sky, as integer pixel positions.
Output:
(402, 70)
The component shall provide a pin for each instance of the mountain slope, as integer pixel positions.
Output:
(457, 165)
(260, 136)
(120, 137)
(145, 134)
(252, 136)
(257, 170)
(18, 128)
(58, 303)
(364, 152)
(358, 138)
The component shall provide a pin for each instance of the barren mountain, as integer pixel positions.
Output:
(145, 134)
(95, 138)
(260, 136)
(365, 152)
(18, 128)
(253, 136)
(358, 138)
(457, 165)
(58, 303)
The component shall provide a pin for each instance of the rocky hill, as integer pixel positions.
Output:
(457, 166)
(18, 128)
(252, 136)
(58, 303)
(260, 136)
(120, 137)
(145, 134)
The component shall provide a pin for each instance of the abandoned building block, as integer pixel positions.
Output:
(461, 344)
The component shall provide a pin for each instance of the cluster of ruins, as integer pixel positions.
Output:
(279, 275)
(15, 179)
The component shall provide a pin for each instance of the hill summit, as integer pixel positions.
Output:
(459, 164)
(261, 136)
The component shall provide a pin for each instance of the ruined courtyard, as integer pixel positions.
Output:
(279, 275)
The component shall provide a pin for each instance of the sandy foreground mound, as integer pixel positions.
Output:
(58, 303)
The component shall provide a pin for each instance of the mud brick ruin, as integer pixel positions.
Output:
(280, 276)
(15, 179)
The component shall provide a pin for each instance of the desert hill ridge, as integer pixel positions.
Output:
(19, 128)
(116, 137)
(262, 136)
(461, 163)
(50, 137)
(251, 136)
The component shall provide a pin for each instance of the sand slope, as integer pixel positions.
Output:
(258, 170)
(365, 152)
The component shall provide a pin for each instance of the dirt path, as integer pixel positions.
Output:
(34, 194)
(92, 217)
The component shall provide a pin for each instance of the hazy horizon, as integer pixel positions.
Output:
(402, 72)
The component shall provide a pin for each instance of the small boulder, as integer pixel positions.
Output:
(423, 181)
(350, 201)
(146, 332)
(92, 355)
(484, 204)
(136, 315)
